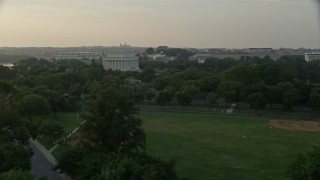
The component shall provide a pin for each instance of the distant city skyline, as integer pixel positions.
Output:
(175, 23)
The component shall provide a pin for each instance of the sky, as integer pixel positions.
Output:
(150, 23)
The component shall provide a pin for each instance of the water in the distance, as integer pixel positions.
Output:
(6, 64)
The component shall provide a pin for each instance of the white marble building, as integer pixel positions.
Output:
(78, 56)
(312, 56)
(121, 59)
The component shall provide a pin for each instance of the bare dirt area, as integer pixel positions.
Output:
(73, 143)
(312, 126)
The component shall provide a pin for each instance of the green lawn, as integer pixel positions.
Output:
(68, 120)
(63, 148)
(212, 146)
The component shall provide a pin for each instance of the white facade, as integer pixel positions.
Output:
(122, 60)
(78, 55)
(312, 56)
(161, 58)
(200, 58)
(236, 54)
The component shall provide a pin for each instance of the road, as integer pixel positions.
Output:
(41, 166)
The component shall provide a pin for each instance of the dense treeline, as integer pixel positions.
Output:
(257, 82)
(288, 82)
(33, 88)
(15, 155)
(112, 142)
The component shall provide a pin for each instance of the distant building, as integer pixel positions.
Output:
(161, 58)
(122, 59)
(221, 53)
(86, 57)
(312, 56)
(200, 58)
(294, 52)
(263, 52)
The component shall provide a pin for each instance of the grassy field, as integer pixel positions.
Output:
(68, 120)
(211, 146)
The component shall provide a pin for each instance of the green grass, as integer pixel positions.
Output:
(58, 153)
(46, 142)
(68, 120)
(212, 146)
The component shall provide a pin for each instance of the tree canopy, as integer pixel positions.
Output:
(111, 122)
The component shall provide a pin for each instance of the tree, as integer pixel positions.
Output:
(6, 73)
(69, 78)
(74, 65)
(231, 91)
(181, 54)
(238, 74)
(147, 75)
(257, 95)
(14, 156)
(69, 162)
(257, 100)
(111, 80)
(183, 98)
(160, 83)
(56, 100)
(208, 83)
(94, 73)
(142, 93)
(82, 164)
(139, 166)
(34, 105)
(185, 94)
(6, 91)
(111, 135)
(149, 93)
(314, 72)
(306, 166)
(12, 126)
(33, 66)
(14, 135)
(17, 175)
(274, 95)
(111, 123)
(314, 98)
(289, 95)
(33, 127)
(212, 99)
(163, 98)
(51, 130)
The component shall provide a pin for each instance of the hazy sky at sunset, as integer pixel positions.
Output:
(176, 23)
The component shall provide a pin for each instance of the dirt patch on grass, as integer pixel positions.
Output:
(312, 126)
(73, 143)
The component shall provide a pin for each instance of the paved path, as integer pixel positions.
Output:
(68, 136)
(43, 162)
